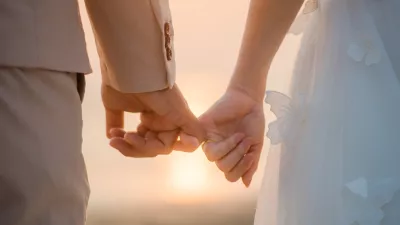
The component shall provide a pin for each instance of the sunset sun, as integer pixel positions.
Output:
(188, 173)
(188, 177)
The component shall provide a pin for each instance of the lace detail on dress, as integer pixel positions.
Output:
(327, 163)
(365, 50)
(310, 6)
(304, 17)
(290, 115)
(364, 199)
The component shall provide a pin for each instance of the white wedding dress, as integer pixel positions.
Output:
(335, 155)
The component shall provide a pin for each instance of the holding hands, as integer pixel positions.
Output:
(165, 116)
(233, 128)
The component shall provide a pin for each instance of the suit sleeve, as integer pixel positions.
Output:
(134, 41)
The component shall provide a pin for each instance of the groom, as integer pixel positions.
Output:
(42, 61)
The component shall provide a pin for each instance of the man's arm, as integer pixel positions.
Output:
(135, 43)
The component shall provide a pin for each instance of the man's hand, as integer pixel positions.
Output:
(235, 132)
(165, 117)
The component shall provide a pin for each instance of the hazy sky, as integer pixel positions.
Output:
(207, 38)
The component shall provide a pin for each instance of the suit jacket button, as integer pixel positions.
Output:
(169, 54)
(167, 41)
(167, 29)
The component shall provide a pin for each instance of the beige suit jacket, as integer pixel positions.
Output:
(134, 39)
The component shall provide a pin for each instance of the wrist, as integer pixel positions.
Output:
(253, 92)
(250, 77)
(251, 84)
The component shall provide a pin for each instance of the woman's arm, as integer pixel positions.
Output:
(267, 24)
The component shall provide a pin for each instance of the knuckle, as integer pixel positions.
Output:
(176, 117)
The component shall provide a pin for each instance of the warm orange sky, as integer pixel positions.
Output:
(207, 38)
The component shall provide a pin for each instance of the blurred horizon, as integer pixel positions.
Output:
(221, 213)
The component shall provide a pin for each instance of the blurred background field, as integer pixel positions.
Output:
(180, 188)
(233, 213)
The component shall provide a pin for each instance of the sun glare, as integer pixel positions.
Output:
(188, 178)
(188, 173)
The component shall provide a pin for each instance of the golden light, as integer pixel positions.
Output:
(188, 178)
(188, 173)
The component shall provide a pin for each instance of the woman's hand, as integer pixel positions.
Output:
(234, 128)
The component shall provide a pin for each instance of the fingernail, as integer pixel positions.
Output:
(113, 143)
(248, 185)
(109, 134)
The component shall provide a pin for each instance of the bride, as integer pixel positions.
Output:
(335, 155)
